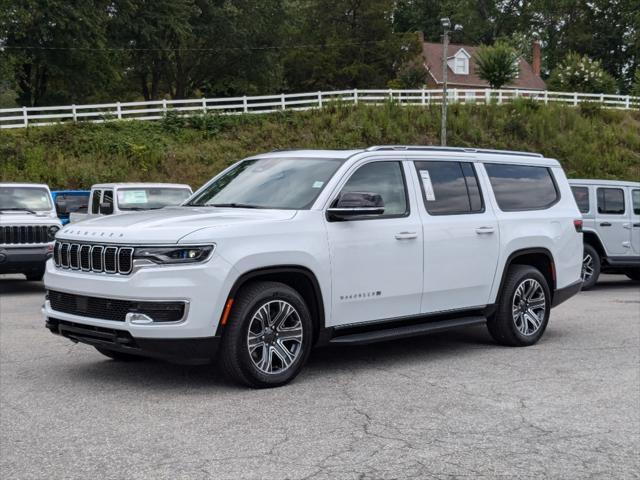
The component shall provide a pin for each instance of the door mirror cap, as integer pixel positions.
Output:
(106, 208)
(356, 204)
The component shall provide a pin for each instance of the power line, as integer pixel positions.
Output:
(223, 49)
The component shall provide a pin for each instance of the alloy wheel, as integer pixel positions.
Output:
(529, 307)
(274, 338)
(587, 267)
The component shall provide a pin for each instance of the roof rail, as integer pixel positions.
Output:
(451, 149)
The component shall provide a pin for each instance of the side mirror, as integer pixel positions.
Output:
(355, 204)
(106, 208)
(61, 207)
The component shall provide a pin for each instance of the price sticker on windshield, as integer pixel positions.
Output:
(135, 196)
(428, 186)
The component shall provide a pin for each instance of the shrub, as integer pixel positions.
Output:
(581, 74)
(497, 64)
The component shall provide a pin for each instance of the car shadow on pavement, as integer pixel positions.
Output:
(324, 363)
(19, 286)
(611, 284)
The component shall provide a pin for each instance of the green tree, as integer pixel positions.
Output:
(635, 91)
(55, 49)
(345, 44)
(497, 64)
(579, 73)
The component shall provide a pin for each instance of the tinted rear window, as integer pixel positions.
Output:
(635, 194)
(611, 201)
(449, 188)
(581, 194)
(522, 187)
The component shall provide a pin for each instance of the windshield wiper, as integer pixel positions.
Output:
(17, 209)
(233, 205)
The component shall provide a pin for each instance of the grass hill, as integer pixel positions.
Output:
(589, 141)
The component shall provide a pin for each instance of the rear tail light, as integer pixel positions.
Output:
(578, 225)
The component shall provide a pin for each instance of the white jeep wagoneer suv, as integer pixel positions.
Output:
(291, 249)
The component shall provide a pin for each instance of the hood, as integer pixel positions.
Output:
(167, 225)
(24, 218)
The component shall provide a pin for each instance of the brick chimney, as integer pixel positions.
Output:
(535, 64)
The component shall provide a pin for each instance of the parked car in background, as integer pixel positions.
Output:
(116, 198)
(291, 249)
(70, 201)
(28, 225)
(611, 224)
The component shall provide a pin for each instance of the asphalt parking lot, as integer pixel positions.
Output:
(445, 406)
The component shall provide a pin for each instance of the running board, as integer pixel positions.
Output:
(394, 333)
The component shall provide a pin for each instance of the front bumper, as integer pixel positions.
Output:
(203, 288)
(186, 351)
(25, 259)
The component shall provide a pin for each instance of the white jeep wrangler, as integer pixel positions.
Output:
(28, 225)
(611, 215)
(291, 249)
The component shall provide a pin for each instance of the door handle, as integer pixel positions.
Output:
(406, 235)
(627, 226)
(605, 224)
(484, 230)
(636, 225)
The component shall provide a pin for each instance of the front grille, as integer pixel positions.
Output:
(94, 258)
(111, 309)
(24, 234)
(90, 334)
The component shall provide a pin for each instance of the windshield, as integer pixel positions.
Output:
(280, 183)
(25, 198)
(151, 198)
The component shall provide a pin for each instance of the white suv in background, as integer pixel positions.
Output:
(291, 249)
(611, 214)
(116, 198)
(28, 225)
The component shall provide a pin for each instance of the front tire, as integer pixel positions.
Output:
(634, 275)
(35, 276)
(268, 336)
(523, 308)
(590, 267)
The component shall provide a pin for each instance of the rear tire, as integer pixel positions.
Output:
(590, 267)
(523, 308)
(35, 276)
(268, 336)
(118, 356)
(634, 275)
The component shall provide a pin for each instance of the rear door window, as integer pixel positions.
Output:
(449, 188)
(522, 187)
(581, 194)
(635, 195)
(611, 201)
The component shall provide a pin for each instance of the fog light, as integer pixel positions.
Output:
(138, 318)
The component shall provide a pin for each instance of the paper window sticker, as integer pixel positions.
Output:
(135, 196)
(428, 186)
(318, 184)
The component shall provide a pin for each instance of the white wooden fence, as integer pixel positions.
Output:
(155, 110)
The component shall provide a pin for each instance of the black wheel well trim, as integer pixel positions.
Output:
(317, 309)
(529, 251)
(592, 238)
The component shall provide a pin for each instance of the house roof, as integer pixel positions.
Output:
(432, 53)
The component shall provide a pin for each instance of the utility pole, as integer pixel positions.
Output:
(446, 24)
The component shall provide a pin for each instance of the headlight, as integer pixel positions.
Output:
(172, 255)
(51, 232)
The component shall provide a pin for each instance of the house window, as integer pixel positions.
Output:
(461, 65)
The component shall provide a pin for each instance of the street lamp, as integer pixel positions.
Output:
(446, 24)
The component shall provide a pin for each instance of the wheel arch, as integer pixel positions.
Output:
(590, 237)
(300, 278)
(540, 258)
